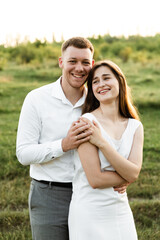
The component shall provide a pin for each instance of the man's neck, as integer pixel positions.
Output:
(72, 94)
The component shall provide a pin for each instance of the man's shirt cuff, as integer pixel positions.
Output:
(56, 149)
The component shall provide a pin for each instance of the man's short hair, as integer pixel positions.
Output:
(78, 42)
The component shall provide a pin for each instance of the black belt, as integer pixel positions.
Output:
(57, 184)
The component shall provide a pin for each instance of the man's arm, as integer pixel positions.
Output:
(28, 148)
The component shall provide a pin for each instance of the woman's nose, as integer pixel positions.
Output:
(102, 83)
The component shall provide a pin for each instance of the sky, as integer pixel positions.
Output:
(43, 19)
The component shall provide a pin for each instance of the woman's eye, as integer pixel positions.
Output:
(94, 82)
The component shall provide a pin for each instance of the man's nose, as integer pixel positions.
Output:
(79, 67)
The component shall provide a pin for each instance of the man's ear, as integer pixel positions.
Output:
(60, 60)
(93, 61)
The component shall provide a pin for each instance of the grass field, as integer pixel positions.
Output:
(144, 194)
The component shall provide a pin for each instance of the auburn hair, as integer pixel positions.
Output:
(126, 107)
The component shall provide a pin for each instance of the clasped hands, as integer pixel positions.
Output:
(81, 131)
(78, 133)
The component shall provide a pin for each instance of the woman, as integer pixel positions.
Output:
(111, 157)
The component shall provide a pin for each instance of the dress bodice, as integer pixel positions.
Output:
(123, 145)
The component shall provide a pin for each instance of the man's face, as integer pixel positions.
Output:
(75, 64)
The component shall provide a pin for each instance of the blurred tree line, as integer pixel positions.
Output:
(134, 48)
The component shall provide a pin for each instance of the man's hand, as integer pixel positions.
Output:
(121, 188)
(78, 133)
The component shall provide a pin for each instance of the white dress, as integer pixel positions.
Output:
(102, 214)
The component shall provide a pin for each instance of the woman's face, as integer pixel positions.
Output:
(105, 85)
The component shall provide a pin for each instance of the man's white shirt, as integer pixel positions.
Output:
(45, 119)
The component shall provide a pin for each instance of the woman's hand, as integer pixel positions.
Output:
(96, 136)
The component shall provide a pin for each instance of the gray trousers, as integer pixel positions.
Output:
(48, 208)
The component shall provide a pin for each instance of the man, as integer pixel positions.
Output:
(48, 132)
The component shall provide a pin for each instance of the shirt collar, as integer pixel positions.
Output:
(58, 93)
(82, 99)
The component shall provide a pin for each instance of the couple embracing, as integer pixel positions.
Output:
(88, 142)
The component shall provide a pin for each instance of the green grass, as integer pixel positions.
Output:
(15, 225)
(146, 215)
(144, 194)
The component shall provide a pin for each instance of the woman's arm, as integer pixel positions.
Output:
(88, 154)
(128, 169)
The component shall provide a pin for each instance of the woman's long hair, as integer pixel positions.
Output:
(126, 108)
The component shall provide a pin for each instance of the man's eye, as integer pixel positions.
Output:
(86, 63)
(72, 61)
